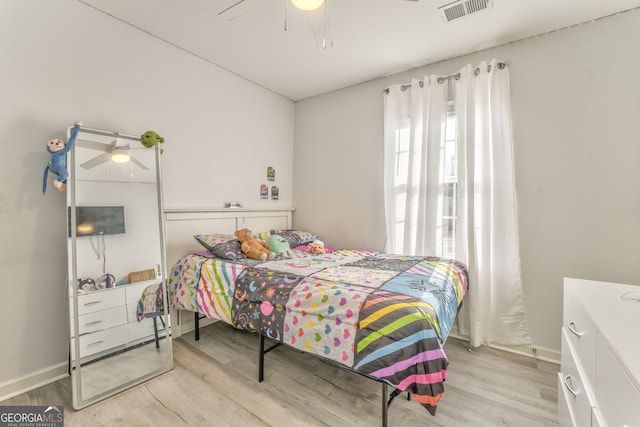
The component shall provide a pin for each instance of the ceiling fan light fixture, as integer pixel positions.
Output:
(307, 5)
(120, 155)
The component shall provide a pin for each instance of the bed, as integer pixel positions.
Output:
(381, 315)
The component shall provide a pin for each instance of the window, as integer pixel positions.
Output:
(407, 170)
(450, 183)
(401, 183)
(449, 187)
(406, 163)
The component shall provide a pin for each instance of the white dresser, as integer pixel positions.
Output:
(107, 320)
(599, 378)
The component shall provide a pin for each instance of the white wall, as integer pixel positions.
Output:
(63, 61)
(576, 121)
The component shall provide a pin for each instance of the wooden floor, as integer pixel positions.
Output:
(213, 383)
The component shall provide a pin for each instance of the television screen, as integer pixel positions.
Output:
(98, 220)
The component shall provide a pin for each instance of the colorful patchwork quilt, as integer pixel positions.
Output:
(384, 316)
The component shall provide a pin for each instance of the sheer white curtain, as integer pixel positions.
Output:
(416, 162)
(412, 166)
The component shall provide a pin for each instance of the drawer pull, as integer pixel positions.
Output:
(93, 323)
(574, 331)
(569, 386)
(631, 296)
(93, 344)
(92, 303)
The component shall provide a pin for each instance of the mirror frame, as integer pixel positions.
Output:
(75, 362)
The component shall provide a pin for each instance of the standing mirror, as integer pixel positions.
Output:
(119, 321)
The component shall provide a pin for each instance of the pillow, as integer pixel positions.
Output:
(208, 241)
(228, 250)
(205, 254)
(296, 237)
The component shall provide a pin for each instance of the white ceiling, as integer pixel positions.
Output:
(371, 38)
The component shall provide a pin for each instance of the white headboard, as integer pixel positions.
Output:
(182, 224)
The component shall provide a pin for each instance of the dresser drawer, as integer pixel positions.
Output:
(618, 400)
(565, 417)
(134, 291)
(100, 300)
(104, 319)
(581, 334)
(572, 386)
(101, 341)
(144, 329)
(131, 312)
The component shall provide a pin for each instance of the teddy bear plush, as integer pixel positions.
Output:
(279, 245)
(316, 247)
(58, 161)
(253, 248)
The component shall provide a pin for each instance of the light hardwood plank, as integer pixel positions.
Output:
(214, 383)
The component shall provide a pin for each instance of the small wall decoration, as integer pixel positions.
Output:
(271, 174)
(274, 193)
(264, 192)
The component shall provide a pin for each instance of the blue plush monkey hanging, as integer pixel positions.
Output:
(58, 162)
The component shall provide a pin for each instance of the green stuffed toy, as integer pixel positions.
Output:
(151, 138)
(279, 245)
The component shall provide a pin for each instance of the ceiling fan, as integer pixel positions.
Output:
(316, 11)
(117, 151)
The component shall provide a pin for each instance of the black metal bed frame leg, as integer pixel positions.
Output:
(385, 404)
(197, 325)
(261, 353)
(155, 331)
(261, 360)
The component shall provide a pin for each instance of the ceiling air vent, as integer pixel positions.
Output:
(460, 8)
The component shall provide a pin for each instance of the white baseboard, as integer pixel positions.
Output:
(530, 350)
(33, 380)
(533, 351)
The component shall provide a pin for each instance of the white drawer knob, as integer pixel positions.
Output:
(631, 296)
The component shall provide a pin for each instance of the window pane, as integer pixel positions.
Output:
(402, 156)
(449, 202)
(448, 238)
(450, 146)
(408, 159)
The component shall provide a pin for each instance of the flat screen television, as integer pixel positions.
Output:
(98, 220)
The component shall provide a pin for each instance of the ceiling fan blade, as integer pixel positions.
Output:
(138, 163)
(237, 8)
(102, 158)
(93, 145)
